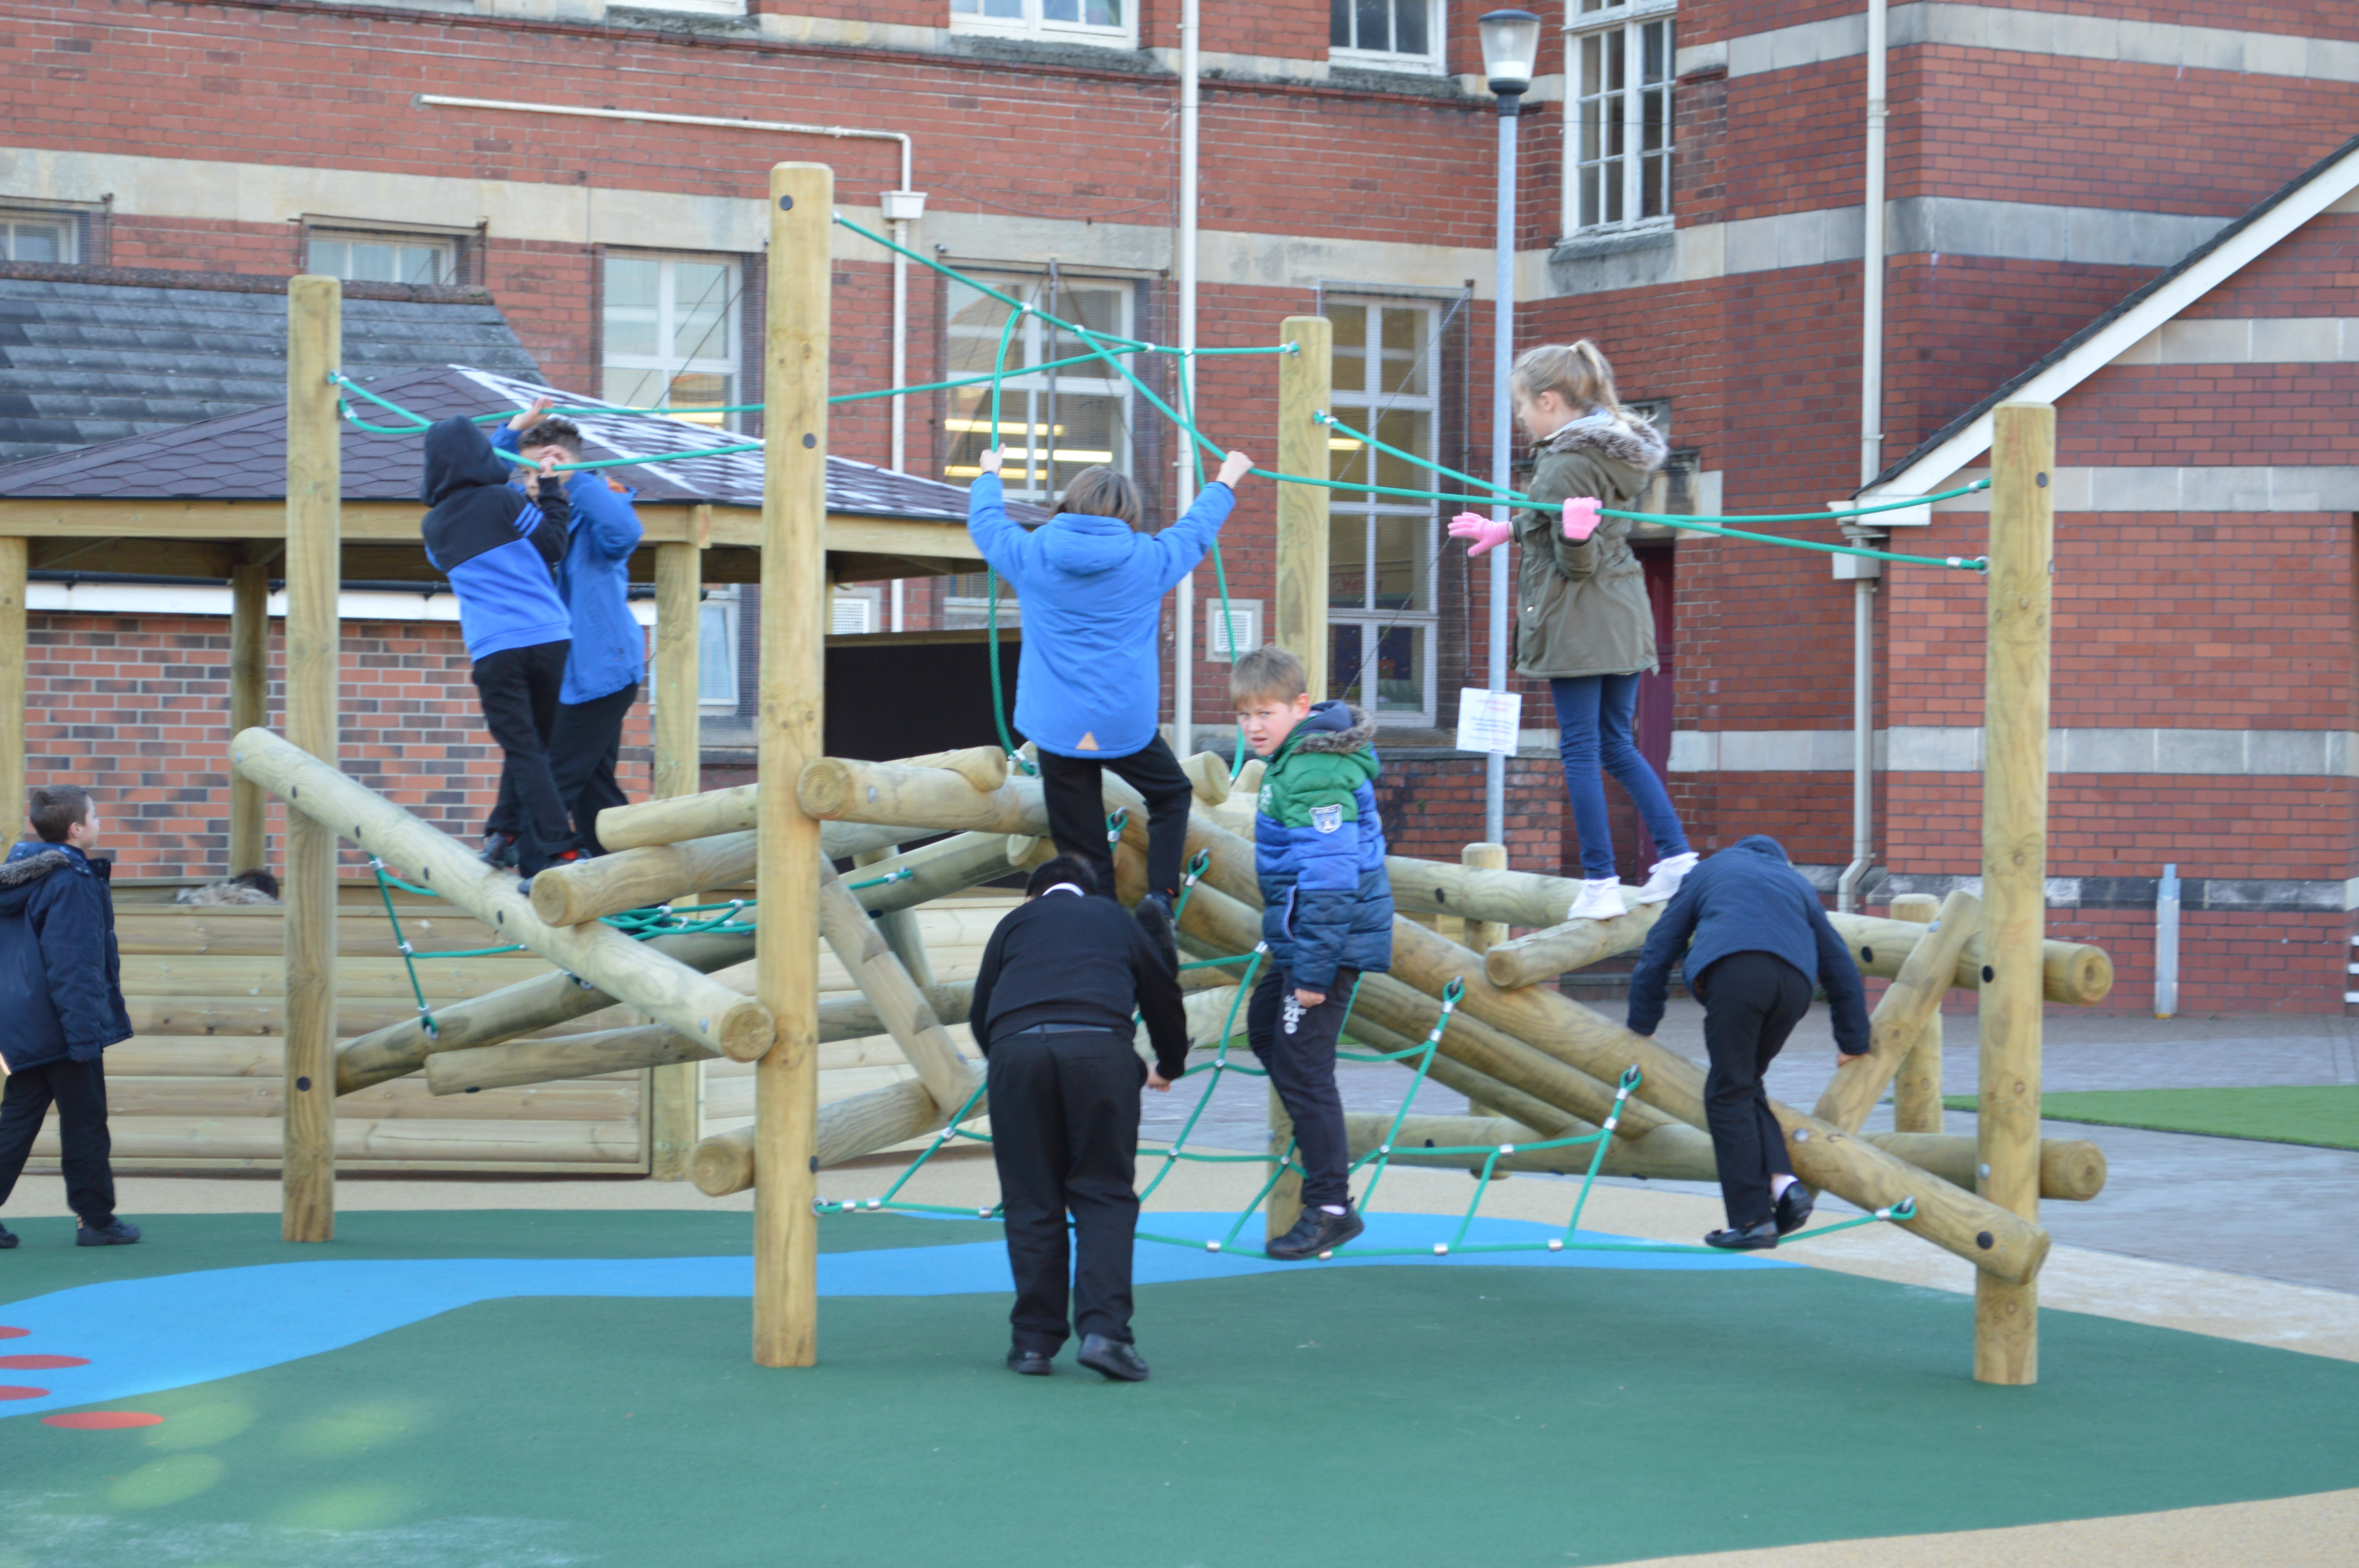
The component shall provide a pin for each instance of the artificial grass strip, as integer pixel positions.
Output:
(2324, 1115)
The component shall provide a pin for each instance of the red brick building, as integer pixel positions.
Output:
(1693, 198)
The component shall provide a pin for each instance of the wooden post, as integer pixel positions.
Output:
(314, 665)
(675, 1093)
(1916, 1087)
(14, 556)
(1900, 1017)
(1482, 935)
(1304, 390)
(249, 703)
(794, 672)
(2014, 864)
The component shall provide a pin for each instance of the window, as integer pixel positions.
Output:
(1381, 550)
(1389, 34)
(28, 238)
(671, 333)
(1054, 422)
(1076, 21)
(717, 650)
(1617, 162)
(383, 258)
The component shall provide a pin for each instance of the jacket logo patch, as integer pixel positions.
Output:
(1326, 819)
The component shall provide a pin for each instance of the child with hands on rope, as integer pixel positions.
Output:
(1584, 621)
(1089, 684)
(1327, 917)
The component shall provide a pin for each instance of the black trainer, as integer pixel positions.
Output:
(1761, 1237)
(1031, 1363)
(1793, 1209)
(499, 850)
(114, 1233)
(1154, 916)
(524, 883)
(8, 1238)
(1117, 1359)
(1315, 1233)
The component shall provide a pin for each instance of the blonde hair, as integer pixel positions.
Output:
(1268, 671)
(1575, 371)
(1102, 493)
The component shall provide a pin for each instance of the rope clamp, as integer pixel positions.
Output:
(1631, 1077)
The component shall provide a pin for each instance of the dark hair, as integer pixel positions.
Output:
(1061, 868)
(1102, 493)
(262, 882)
(56, 808)
(553, 430)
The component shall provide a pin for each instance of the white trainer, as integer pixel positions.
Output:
(1600, 900)
(1664, 877)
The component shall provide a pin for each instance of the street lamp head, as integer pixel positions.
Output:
(1511, 51)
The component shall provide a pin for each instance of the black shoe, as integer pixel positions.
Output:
(499, 850)
(524, 883)
(114, 1233)
(1031, 1363)
(8, 1238)
(1794, 1209)
(1154, 916)
(1316, 1234)
(1761, 1237)
(1116, 1358)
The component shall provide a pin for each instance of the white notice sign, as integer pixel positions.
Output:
(1488, 720)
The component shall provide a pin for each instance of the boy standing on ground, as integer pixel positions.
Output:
(1757, 940)
(609, 657)
(61, 993)
(1053, 1001)
(500, 549)
(1327, 917)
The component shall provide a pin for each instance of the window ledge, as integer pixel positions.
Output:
(1359, 74)
(1612, 242)
(1380, 63)
(1114, 53)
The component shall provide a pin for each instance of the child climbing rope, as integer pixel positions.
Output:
(1585, 624)
(1088, 683)
(1327, 917)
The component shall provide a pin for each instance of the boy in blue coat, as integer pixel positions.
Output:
(1089, 682)
(500, 550)
(1757, 940)
(609, 656)
(61, 993)
(1327, 917)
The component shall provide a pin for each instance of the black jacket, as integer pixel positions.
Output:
(1750, 899)
(60, 978)
(1083, 962)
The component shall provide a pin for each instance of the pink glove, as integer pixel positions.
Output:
(1581, 518)
(1484, 533)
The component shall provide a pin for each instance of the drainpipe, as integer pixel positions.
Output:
(1183, 657)
(1871, 462)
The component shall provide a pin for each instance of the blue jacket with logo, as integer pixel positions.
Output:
(1318, 848)
(1089, 682)
(610, 650)
(60, 978)
(499, 549)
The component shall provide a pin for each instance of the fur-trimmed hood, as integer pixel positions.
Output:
(1614, 434)
(1338, 728)
(20, 870)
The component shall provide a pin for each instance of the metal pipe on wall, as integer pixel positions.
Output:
(1183, 656)
(1871, 461)
(1503, 354)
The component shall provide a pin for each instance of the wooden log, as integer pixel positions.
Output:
(793, 687)
(132, 1099)
(229, 930)
(1208, 772)
(629, 971)
(252, 1017)
(2071, 973)
(525, 1009)
(2014, 864)
(715, 812)
(899, 927)
(1900, 1015)
(314, 673)
(249, 706)
(726, 1163)
(1305, 389)
(893, 794)
(1672, 1152)
(859, 947)
(255, 1141)
(1539, 957)
(1917, 1086)
(984, 767)
(2071, 1169)
(15, 559)
(674, 1114)
(1483, 934)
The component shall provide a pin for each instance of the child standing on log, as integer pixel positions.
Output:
(1756, 941)
(1583, 622)
(1089, 682)
(1327, 917)
(61, 991)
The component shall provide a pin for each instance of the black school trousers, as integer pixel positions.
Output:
(1751, 1003)
(78, 1091)
(584, 748)
(1297, 1048)
(1074, 791)
(1064, 1133)
(518, 688)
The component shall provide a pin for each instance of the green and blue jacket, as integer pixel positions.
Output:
(1319, 848)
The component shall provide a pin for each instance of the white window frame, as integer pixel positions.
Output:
(1034, 25)
(67, 225)
(1428, 63)
(445, 246)
(730, 364)
(1629, 18)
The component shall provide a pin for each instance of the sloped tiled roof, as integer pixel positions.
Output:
(242, 457)
(98, 354)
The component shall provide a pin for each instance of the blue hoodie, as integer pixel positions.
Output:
(1750, 899)
(1090, 680)
(610, 649)
(60, 978)
(498, 548)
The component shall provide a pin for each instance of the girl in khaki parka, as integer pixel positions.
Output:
(1583, 622)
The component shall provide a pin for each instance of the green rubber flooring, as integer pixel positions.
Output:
(1493, 1418)
(2326, 1115)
